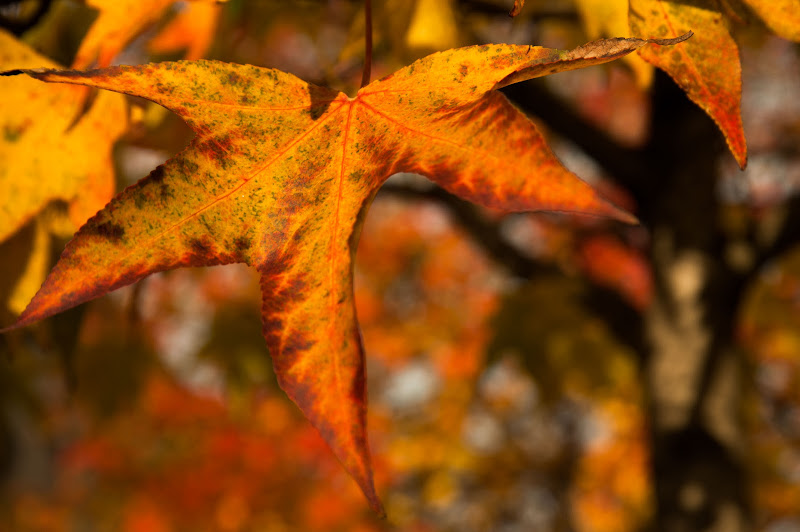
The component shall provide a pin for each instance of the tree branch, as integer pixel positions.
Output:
(779, 239)
(485, 233)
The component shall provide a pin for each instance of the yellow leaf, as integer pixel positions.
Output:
(433, 26)
(45, 155)
(35, 270)
(119, 21)
(781, 16)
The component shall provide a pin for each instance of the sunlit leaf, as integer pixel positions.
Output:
(707, 68)
(433, 26)
(280, 175)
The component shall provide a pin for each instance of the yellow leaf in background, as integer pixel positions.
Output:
(119, 21)
(609, 18)
(49, 157)
(781, 16)
(30, 253)
(192, 29)
(117, 24)
(46, 155)
(35, 271)
(433, 26)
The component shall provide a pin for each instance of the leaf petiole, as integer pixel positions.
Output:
(367, 43)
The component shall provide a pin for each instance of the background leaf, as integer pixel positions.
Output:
(707, 68)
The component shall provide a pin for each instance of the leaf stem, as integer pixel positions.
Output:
(367, 42)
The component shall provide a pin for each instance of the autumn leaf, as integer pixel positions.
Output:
(707, 67)
(609, 262)
(517, 9)
(280, 175)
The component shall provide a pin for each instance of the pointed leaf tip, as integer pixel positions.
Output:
(676, 40)
(377, 506)
(621, 215)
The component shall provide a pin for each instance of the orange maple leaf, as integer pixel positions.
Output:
(280, 175)
(708, 68)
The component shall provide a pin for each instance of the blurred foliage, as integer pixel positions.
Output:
(771, 332)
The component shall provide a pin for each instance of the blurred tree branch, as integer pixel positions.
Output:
(20, 26)
(627, 166)
(622, 319)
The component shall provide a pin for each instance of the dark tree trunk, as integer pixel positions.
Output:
(691, 367)
(692, 370)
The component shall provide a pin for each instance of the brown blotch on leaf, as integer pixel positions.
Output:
(205, 253)
(108, 230)
(234, 78)
(279, 290)
(216, 149)
(466, 115)
(98, 74)
(157, 175)
(294, 347)
(200, 248)
(242, 243)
